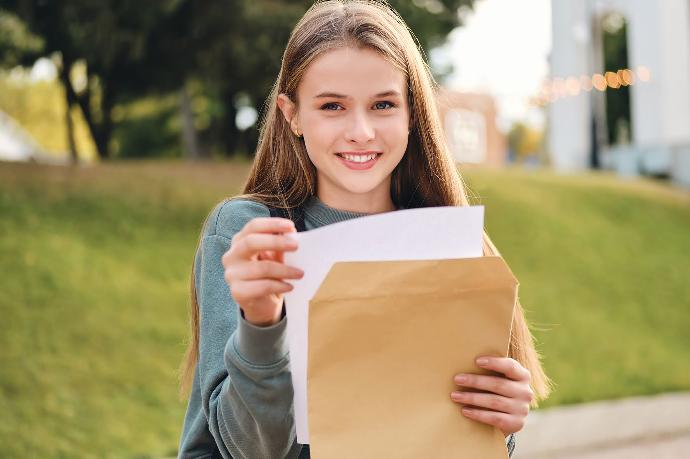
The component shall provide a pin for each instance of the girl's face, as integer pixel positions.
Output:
(354, 116)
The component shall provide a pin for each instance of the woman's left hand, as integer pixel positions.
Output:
(507, 404)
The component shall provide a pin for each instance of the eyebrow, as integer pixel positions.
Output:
(342, 96)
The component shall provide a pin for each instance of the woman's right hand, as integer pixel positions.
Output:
(254, 268)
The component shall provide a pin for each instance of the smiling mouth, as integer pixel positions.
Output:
(359, 158)
(360, 161)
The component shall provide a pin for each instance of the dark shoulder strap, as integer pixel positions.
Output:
(296, 215)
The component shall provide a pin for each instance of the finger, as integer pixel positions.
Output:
(505, 422)
(278, 256)
(244, 291)
(272, 255)
(509, 367)
(492, 402)
(267, 225)
(246, 247)
(496, 384)
(254, 270)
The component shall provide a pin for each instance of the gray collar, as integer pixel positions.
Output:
(322, 214)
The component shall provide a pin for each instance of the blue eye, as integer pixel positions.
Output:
(330, 104)
(382, 105)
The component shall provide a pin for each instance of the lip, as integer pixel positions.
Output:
(358, 166)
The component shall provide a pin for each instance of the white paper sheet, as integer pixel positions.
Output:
(413, 234)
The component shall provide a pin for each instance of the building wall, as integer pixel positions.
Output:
(479, 131)
(569, 118)
(659, 39)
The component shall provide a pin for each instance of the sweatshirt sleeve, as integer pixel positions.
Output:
(243, 370)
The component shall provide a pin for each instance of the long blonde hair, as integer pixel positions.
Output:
(283, 176)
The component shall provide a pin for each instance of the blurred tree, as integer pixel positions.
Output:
(227, 51)
(524, 141)
(239, 54)
(114, 39)
(18, 46)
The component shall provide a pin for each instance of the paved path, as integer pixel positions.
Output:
(655, 427)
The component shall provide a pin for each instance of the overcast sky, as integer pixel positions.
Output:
(503, 49)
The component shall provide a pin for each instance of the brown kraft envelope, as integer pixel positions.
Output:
(386, 339)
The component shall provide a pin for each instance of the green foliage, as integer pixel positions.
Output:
(94, 292)
(16, 41)
(121, 45)
(232, 47)
(148, 127)
(241, 53)
(524, 140)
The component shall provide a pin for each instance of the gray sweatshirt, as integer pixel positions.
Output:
(240, 405)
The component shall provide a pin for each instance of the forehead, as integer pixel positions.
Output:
(351, 72)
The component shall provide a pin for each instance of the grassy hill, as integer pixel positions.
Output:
(94, 288)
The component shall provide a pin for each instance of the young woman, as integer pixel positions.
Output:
(351, 129)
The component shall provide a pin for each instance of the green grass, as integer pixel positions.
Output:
(94, 293)
(604, 271)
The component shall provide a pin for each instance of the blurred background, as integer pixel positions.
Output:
(122, 124)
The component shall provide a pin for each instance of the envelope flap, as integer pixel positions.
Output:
(352, 279)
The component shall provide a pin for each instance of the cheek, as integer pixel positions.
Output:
(317, 141)
(396, 136)
(316, 128)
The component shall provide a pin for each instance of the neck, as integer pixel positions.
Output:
(366, 203)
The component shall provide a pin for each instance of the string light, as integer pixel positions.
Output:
(612, 80)
(586, 83)
(627, 77)
(599, 82)
(573, 86)
(643, 73)
(559, 87)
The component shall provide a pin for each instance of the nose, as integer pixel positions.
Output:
(360, 129)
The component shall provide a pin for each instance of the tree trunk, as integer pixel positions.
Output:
(84, 102)
(100, 132)
(190, 141)
(229, 131)
(64, 71)
(106, 125)
(73, 153)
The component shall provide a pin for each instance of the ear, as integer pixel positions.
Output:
(289, 110)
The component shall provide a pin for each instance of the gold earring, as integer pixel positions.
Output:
(297, 133)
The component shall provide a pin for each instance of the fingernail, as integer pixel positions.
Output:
(482, 361)
(467, 411)
(461, 379)
(456, 396)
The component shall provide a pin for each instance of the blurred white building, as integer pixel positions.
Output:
(651, 131)
(14, 144)
(17, 145)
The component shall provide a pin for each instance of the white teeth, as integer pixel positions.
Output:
(359, 158)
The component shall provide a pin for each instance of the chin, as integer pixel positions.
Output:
(360, 188)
